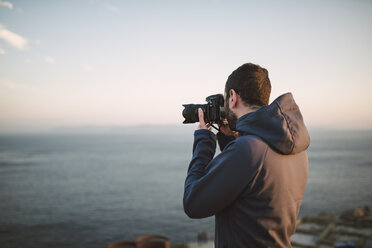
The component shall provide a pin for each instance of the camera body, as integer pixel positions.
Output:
(214, 111)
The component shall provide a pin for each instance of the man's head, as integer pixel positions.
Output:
(249, 86)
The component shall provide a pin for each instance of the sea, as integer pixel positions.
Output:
(89, 187)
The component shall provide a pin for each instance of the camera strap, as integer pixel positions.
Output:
(214, 127)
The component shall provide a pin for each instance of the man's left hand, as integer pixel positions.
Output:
(202, 124)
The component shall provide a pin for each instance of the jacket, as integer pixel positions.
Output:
(254, 187)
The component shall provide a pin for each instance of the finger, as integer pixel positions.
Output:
(201, 117)
(208, 126)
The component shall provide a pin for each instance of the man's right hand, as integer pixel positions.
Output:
(225, 136)
(225, 130)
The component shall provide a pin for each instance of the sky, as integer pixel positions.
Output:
(119, 63)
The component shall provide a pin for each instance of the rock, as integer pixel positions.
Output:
(358, 213)
(202, 237)
(367, 211)
(348, 215)
(355, 214)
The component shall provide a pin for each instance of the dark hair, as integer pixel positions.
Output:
(251, 82)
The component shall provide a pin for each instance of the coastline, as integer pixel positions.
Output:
(352, 228)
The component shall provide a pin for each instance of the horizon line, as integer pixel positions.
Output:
(115, 128)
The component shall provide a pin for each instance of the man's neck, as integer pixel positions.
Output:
(245, 110)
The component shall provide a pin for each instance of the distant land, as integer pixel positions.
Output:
(143, 128)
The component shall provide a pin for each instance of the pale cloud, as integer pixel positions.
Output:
(28, 61)
(88, 68)
(13, 39)
(2, 51)
(112, 8)
(49, 59)
(8, 84)
(6, 4)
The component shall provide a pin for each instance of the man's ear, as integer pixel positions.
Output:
(233, 98)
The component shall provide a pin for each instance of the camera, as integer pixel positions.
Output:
(214, 111)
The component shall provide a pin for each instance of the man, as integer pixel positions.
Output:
(254, 187)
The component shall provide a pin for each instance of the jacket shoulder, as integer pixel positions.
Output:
(248, 148)
(251, 141)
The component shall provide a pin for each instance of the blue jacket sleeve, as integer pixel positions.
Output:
(213, 184)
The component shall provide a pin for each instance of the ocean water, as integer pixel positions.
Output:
(87, 189)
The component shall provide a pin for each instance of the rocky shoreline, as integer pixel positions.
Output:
(351, 229)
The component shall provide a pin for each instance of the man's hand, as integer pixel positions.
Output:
(225, 129)
(202, 124)
(225, 136)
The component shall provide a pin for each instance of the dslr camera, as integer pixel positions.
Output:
(214, 111)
